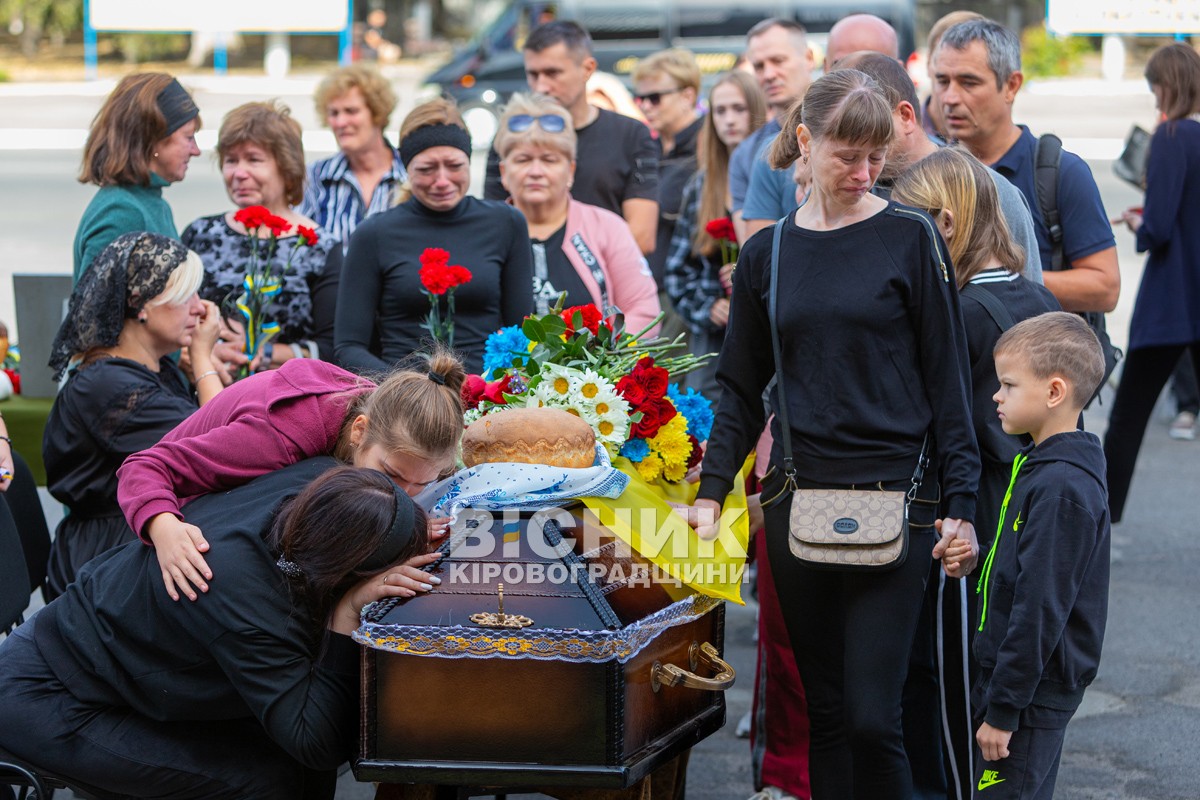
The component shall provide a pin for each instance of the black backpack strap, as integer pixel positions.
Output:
(1045, 177)
(991, 304)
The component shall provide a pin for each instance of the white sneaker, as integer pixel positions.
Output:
(743, 727)
(772, 793)
(1183, 427)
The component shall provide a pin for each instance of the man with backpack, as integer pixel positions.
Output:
(977, 74)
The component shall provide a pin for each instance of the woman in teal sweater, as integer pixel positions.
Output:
(141, 141)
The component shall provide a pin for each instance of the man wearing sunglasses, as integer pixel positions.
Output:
(617, 161)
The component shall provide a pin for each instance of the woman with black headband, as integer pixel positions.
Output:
(379, 294)
(141, 141)
(251, 693)
(135, 306)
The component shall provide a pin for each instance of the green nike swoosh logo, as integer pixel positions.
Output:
(986, 782)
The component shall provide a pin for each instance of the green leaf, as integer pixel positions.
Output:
(533, 330)
(553, 325)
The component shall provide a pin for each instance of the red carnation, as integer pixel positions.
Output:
(721, 229)
(472, 391)
(278, 225)
(632, 391)
(434, 256)
(252, 216)
(496, 389)
(435, 278)
(589, 314)
(459, 275)
(308, 234)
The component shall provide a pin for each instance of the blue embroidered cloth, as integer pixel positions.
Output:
(495, 487)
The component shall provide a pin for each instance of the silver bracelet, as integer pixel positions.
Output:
(296, 351)
(204, 375)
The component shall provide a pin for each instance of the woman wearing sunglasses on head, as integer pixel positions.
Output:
(380, 291)
(582, 250)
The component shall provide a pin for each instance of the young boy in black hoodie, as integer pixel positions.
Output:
(1044, 585)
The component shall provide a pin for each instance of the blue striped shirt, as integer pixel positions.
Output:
(333, 198)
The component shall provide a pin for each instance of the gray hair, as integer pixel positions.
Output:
(1002, 45)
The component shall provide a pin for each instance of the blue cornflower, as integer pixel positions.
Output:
(696, 409)
(635, 449)
(500, 349)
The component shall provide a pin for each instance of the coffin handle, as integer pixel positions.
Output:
(671, 675)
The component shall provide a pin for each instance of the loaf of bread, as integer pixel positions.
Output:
(530, 436)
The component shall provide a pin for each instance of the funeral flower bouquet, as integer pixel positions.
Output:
(264, 278)
(619, 383)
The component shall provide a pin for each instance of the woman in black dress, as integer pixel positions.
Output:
(379, 292)
(135, 305)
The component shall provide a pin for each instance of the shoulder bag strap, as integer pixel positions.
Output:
(785, 429)
(991, 304)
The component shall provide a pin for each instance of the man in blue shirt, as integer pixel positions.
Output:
(777, 50)
(977, 74)
(771, 192)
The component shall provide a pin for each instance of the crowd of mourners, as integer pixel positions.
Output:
(902, 270)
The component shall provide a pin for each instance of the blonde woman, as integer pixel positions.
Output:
(134, 306)
(585, 251)
(356, 102)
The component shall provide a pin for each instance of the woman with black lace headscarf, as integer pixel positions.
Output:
(134, 306)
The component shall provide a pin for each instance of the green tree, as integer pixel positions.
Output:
(36, 19)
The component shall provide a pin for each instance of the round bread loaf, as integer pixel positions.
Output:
(530, 436)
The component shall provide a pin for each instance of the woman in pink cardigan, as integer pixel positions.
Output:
(408, 427)
(581, 250)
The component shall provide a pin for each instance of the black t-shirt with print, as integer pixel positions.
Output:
(553, 274)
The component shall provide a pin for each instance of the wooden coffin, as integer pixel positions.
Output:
(598, 691)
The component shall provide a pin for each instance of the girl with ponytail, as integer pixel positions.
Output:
(408, 427)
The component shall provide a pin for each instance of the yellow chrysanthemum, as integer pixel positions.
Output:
(675, 472)
(650, 467)
(671, 441)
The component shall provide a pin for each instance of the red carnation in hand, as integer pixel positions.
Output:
(589, 314)
(278, 225)
(632, 391)
(459, 275)
(435, 279)
(308, 235)
(434, 256)
(721, 229)
(496, 389)
(472, 391)
(252, 216)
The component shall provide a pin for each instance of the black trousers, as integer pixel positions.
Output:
(1184, 386)
(115, 752)
(1145, 373)
(852, 634)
